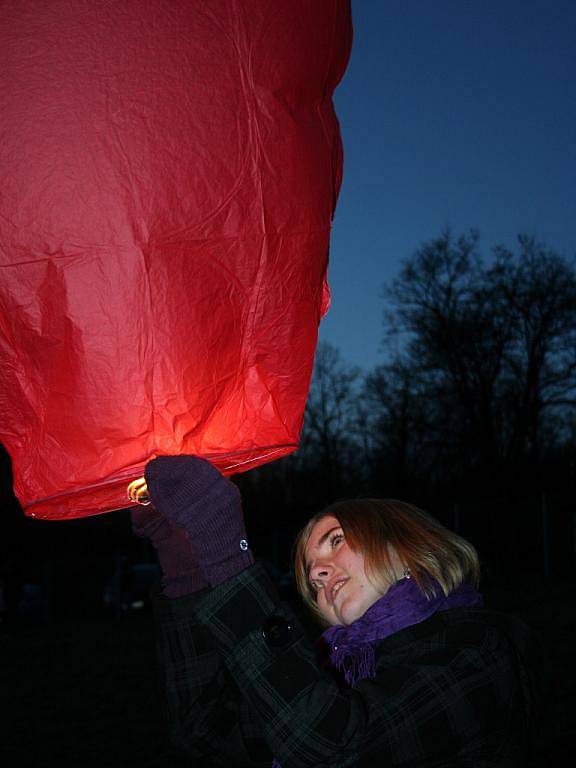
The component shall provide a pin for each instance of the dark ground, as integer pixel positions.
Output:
(81, 693)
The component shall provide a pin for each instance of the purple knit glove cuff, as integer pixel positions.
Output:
(181, 573)
(193, 495)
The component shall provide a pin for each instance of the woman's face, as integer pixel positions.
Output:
(337, 574)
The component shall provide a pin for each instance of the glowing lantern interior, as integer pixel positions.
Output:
(169, 171)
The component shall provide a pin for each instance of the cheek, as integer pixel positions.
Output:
(353, 564)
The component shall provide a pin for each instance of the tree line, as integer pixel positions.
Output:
(476, 397)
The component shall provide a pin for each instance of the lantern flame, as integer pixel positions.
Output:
(138, 492)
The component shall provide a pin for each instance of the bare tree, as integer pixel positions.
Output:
(331, 424)
(491, 350)
(538, 290)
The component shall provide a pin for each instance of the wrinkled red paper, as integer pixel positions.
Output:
(168, 176)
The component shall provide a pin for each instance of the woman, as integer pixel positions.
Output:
(414, 673)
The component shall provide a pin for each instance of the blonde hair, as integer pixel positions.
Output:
(423, 545)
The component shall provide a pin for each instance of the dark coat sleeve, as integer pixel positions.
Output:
(207, 717)
(442, 688)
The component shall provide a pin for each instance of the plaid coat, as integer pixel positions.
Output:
(242, 684)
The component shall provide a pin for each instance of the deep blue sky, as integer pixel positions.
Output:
(453, 112)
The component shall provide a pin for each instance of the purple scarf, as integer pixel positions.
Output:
(352, 647)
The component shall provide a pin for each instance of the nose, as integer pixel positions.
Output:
(321, 570)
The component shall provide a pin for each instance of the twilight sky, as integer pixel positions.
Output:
(456, 113)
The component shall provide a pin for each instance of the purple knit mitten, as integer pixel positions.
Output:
(180, 569)
(193, 495)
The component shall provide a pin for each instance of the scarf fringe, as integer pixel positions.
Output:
(355, 666)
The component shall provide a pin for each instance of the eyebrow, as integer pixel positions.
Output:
(321, 541)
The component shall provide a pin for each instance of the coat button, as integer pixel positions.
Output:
(277, 631)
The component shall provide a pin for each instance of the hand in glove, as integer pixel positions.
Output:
(193, 495)
(181, 572)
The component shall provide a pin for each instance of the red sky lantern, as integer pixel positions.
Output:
(168, 176)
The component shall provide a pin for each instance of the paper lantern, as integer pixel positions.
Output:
(169, 171)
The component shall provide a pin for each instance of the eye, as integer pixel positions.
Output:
(336, 539)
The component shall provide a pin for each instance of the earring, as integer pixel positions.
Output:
(406, 574)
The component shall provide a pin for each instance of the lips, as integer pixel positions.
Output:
(335, 588)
